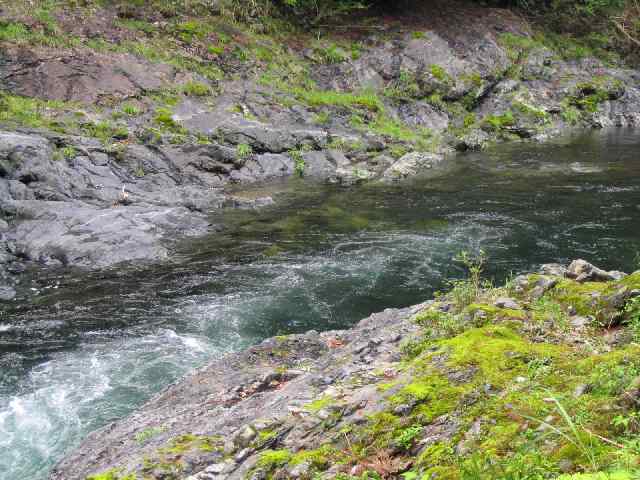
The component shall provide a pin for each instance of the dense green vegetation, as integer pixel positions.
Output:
(619, 19)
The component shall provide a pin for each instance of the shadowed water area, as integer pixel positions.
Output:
(79, 350)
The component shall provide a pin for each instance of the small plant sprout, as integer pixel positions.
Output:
(298, 161)
(130, 110)
(244, 150)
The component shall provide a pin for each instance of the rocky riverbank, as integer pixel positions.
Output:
(123, 127)
(534, 379)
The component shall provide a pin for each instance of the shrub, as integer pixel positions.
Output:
(196, 89)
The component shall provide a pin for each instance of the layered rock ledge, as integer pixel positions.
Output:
(482, 377)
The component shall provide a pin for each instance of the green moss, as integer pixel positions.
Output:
(196, 89)
(405, 87)
(321, 118)
(48, 34)
(331, 54)
(144, 435)
(589, 95)
(130, 110)
(499, 122)
(408, 435)
(270, 459)
(318, 458)
(113, 474)
(584, 297)
(497, 351)
(538, 115)
(570, 114)
(422, 138)
(164, 51)
(319, 404)
(614, 475)
(547, 310)
(13, 32)
(433, 394)
(518, 42)
(190, 442)
(495, 313)
(439, 73)
(31, 112)
(631, 281)
(68, 152)
(106, 131)
(612, 373)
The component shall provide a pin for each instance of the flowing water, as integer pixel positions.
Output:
(79, 350)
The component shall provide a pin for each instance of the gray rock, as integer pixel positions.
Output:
(7, 293)
(317, 165)
(553, 269)
(231, 395)
(84, 78)
(96, 210)
(218, 468)
(580, 322)
(505, 302)
(245, 436)
(411, 164)
(300, 471)
(476, 139)
(583, 271)
(542, 286)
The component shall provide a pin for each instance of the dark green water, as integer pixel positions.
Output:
(84, 349)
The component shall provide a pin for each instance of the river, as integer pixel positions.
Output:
(78, 349)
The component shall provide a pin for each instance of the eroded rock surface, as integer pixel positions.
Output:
(388, 394)
(254, 399)
(72, 201)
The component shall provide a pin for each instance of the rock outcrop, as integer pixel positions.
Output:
(456, 375)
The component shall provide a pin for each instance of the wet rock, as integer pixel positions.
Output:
(474, 140)
(236, 396)
(411, 164)
(317, 165)
(95, 210)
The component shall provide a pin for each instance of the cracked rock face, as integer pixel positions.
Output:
(79, 77)
(251, 400)
(96, 207)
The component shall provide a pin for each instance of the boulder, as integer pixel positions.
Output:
(411, 164)
(583, 271)
(505, 302)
